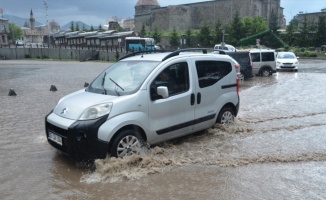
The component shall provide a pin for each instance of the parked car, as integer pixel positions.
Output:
(19, 43)
(287, 60)
(145, 98)
(244, 59)
(226, 47)
(263, 62)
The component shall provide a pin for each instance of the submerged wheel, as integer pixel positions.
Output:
(128, 142)
(265, 72)
(226, 116)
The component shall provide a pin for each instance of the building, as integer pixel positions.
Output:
(312, 18)
(196, 15)
(4, 32)
(38, 34)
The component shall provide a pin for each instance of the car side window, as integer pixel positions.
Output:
(175, 78)
(255, 57)
(210, 72)
(268, 56)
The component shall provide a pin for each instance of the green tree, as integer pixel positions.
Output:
(72, 26)
(237, 31)
(321, 31)
(15, 32)
(157, 35)
(100, 27)
(143, 30)
(273, 23)
(204, 36)
(84, 28)
(92, 28)
(174, 38)
(253, 25)
(77, 27)
(217, 38)
(304, 33)
(290, 33)
(188, 38)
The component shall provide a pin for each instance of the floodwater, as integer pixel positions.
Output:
(275, 150)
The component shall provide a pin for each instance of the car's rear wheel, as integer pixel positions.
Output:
(127, 142)
(265, 72)
(226, 116)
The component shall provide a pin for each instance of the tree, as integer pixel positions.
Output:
(253, 25)
(188, 38)
(15, 32)
(237, 31)
(100, 27)
(304, 33)
(157, 35)
(77, 27)
(273, 23)
(290, 33)
(92, 28)
(321, 31)
(72, 26)
(204, 36)
(143, 31)
(174, 38)
(84, 28)
(217, 32)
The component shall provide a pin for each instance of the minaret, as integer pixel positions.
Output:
(32, 20)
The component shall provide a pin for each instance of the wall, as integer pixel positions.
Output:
(74, 54)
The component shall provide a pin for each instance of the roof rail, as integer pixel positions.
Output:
(143, 52)
(204, 50)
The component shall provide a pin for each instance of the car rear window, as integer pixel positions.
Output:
(210, 72)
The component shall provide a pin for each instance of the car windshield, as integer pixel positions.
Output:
(122, 78)
(286, 56)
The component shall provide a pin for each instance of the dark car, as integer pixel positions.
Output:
(244, 59)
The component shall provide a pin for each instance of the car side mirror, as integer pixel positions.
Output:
(163, 91)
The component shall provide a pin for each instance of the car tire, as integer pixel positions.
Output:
(226, 116)
(127, 142)
(265, 72)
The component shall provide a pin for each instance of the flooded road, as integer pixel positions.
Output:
(275, 150)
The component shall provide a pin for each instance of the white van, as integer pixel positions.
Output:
(145, 98)
(263, 62)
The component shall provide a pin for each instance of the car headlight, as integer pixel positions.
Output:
(96, 111)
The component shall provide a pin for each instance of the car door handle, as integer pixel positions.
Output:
(192, 99)
(198, 98)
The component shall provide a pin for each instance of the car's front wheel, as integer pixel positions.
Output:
(127, 142)
(226, 116)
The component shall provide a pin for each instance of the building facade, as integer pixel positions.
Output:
(4, 32)
(196, 15)
(312, 18)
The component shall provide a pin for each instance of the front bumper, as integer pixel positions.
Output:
(79, 139)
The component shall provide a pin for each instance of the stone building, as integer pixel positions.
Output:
(4, 32)
(195, 15)
(311, 17)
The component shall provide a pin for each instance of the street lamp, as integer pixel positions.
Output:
(47, 21)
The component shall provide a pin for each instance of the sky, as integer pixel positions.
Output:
(96, 12)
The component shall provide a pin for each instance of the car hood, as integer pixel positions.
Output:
(73, 105)
(292, 60)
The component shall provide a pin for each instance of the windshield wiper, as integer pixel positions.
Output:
(117, 84)
(103, 80)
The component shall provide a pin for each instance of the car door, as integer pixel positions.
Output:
(212, 81)
(173, 116)
(256, 61)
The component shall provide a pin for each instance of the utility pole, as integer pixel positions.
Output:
(47, 21)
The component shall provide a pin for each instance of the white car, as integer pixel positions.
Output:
(145, 98)
(287, 60)
(226, 47)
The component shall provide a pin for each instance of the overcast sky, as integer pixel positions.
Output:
(95, 12)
